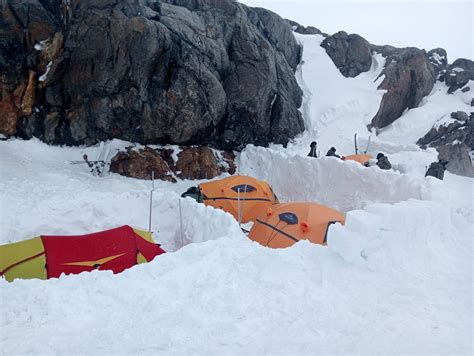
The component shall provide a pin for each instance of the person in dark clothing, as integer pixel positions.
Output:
(313, 152)
(437, 169)
(193, 192)
(332, 153)
(383, 162)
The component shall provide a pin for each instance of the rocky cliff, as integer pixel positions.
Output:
(175, 71)
(409, 76)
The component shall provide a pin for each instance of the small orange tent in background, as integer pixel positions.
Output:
(286, 224)
(46, 257)
(242, 196)
(361, 158)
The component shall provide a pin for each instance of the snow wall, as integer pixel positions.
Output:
(343, 185)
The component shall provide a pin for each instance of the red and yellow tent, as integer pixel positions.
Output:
(286, 224)
(46, 256)
(239, 194)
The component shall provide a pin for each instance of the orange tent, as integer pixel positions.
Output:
(361, 158)
(286, 224)
(239, 195)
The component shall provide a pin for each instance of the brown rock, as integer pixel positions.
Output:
(28, 101)
(409, 76)
(197, 163)
(229, 158)
(9, 115)
(140, 164)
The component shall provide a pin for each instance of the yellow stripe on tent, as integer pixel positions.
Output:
(24, 259)
(94, 263)
(141, 258)
(145, 235)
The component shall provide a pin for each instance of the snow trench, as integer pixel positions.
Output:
(343, 185)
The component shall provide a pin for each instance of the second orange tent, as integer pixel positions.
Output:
(242, 196)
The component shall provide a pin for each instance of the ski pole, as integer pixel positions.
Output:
(181, 223)
(151, 198)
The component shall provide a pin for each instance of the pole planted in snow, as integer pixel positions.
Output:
(181, 223)
(151, 199)
(238, 206)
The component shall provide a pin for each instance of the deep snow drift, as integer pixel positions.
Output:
(396, 278)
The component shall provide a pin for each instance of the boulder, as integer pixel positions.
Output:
(350, 53)
(197, 163)
(409, 76)
(453, 142)
(191, 163)
(163, 72)
(140, 164)
(458, 74)
(457, 155)
(438, 57)
(309, 30)
(460, 115)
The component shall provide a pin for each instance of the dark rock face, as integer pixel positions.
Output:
(409, 76)
(184, 72)
(350, 53)
(453, 142)
(192, 163)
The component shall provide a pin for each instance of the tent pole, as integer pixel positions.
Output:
(151, 199)
(238, 206)
(181, 223)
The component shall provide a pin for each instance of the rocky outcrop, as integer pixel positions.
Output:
(409, 76)
(458, 74)
(457, 154)
(191, 163)
(438, 57)
(182, 72)
(350, 53)
(454, 141)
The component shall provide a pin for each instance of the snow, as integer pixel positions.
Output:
(397, 276)
(335, 107)
(43, 77)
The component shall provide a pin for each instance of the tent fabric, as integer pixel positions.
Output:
(286, 224)
(361, 158)
(116, 250)
(247, 194)
(24, 259)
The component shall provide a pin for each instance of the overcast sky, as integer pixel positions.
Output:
(422, 23)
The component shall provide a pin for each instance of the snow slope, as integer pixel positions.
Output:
(397, 278)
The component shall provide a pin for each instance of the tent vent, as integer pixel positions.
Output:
(243, 188)
(289, 218)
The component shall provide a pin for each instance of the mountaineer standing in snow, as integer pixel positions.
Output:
(383, 162)
(437, 169)
(312, 151)
(332, 153)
